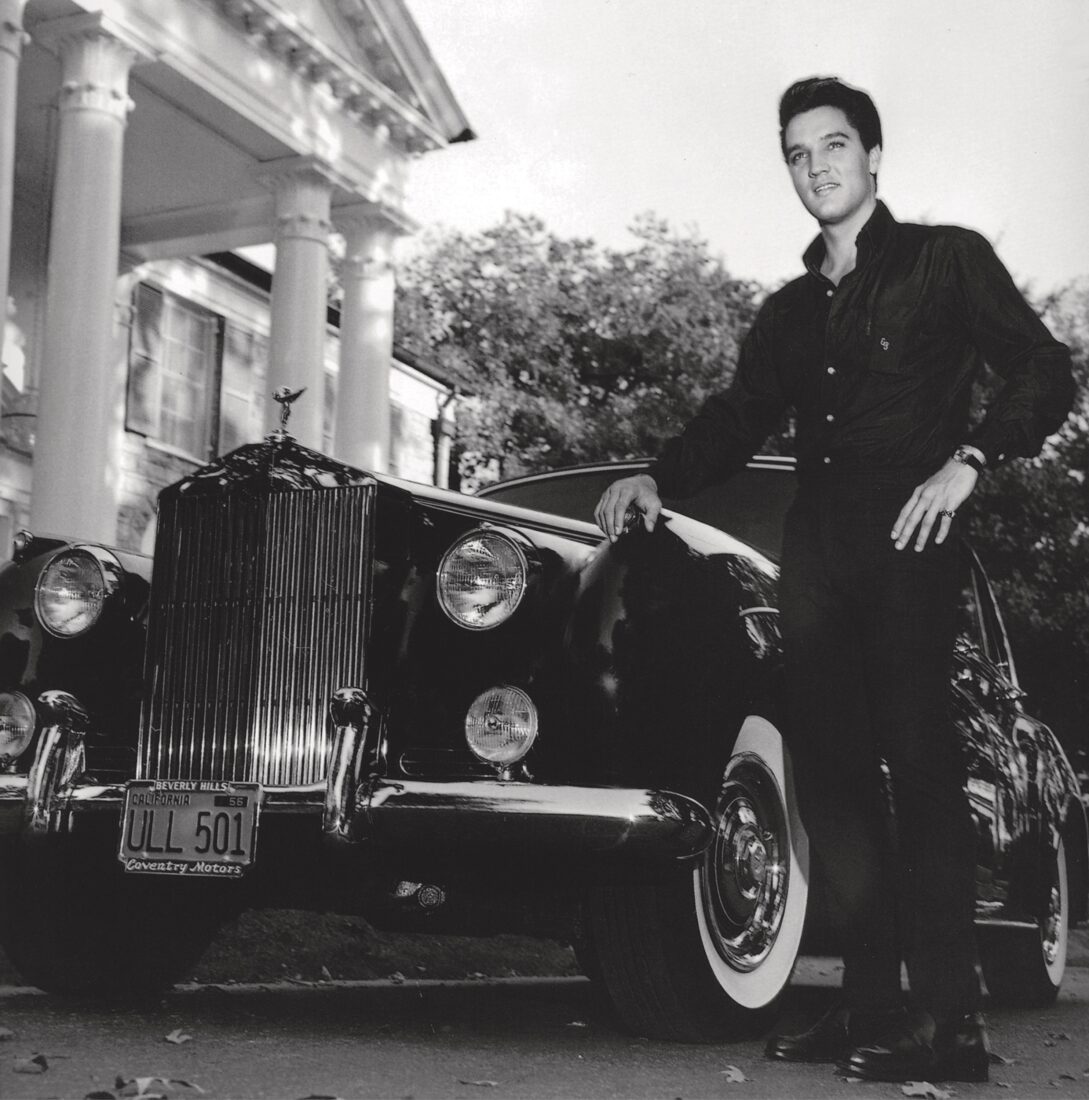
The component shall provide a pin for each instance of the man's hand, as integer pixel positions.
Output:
(639, 492)
(935, 501)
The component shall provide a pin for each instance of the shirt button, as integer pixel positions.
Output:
(829, 293)
(831, 370)
(827, 460)
(830, 417)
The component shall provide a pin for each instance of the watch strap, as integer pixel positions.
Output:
(969, 458)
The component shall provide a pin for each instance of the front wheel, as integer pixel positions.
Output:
(1024, 967)
(691, 951)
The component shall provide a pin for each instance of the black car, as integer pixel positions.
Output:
(340, 691)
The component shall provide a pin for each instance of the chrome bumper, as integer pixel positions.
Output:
(482, 816)
(475, 817)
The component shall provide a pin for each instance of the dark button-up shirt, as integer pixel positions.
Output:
(879, 369)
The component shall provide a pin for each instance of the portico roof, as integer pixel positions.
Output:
(222, 89)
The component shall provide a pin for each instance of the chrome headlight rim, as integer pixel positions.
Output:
(526, 556)
(110, 572)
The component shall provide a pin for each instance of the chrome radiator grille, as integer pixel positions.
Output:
(259, 611)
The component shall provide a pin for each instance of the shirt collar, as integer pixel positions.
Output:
(871, 240)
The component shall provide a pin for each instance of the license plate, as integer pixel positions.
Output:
(189, 827)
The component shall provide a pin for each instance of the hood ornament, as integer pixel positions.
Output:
(285, 397)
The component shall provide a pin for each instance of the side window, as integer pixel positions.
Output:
(174, 358)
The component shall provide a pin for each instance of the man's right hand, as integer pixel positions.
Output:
(639, 493)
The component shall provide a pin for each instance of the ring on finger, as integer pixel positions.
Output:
(947, 512)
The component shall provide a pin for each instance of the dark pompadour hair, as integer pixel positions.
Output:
(830, 91)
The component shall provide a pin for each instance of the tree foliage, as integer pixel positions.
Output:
(571, 352)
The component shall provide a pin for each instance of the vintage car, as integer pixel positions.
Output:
(343, 692)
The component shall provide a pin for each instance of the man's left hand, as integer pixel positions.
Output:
(934, 502)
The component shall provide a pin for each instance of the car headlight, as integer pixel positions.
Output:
(74, 588)
(501, 725)
(482, 577)
(17, 721)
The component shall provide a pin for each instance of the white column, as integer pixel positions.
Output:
(74, 465)
(303, 188)
(361, 437)
(12, 38)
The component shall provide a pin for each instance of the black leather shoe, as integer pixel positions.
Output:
(917, 1050)
(830, 1039)
(905, 1052)
(962, 1049)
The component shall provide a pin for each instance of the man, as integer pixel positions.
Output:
(876, 348)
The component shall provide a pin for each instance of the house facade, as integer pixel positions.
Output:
(146, 147)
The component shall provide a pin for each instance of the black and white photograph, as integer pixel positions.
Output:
(544, 549)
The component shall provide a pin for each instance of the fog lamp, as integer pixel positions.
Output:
(501, 725)
(17, 721)
(73, 590)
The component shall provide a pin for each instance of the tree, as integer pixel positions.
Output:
(570, 352)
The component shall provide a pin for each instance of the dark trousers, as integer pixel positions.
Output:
(868, 635)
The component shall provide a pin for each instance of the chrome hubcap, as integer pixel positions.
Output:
(746, 871)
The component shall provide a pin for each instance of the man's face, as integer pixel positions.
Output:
(829, 167)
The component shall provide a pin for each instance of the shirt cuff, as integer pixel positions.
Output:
(995, 441)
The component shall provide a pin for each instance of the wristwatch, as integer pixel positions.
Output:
(971, 456)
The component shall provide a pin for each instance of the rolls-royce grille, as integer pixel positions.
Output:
(259, 611)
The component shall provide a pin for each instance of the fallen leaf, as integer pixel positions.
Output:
(476, 975)
(326, 974)
(925, 1089)
(1062, 1036)
(998, 1060)
(6, 1034)
(1049, 1042)
(479, 1084)
(397, 977)
(1002, 1084)
(36, 1063)
(177, 1036)
(576, 1023)
(733, 1075)
(1067, 1077)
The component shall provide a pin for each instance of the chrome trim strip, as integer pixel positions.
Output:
(491, 814)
